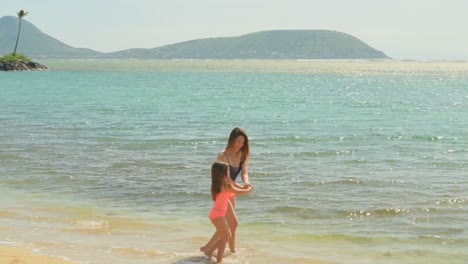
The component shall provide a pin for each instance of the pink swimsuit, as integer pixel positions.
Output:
(220, 205)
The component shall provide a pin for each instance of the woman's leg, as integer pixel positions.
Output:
(231, 219)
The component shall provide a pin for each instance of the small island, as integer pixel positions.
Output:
(16, 61)
(19, 62)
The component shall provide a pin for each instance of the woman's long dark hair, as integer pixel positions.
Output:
(245, 149)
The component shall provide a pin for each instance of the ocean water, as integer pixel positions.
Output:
(352, 161)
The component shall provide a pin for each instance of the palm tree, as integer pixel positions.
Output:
(21, 14)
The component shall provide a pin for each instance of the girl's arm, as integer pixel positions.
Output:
(235, 184)
(241, 190)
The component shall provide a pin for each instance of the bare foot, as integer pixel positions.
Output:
(208, 254)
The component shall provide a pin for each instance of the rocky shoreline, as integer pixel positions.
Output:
(22, 66)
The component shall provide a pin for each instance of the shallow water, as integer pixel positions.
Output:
(352, 161)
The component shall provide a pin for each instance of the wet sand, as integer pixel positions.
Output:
(15, 255)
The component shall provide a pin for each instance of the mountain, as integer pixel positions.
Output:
(274, 44)
(36, 44)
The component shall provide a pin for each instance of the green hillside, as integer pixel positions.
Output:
(36, 44)
(275, 44)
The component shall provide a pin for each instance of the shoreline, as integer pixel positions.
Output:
(11, 254)
(347, 67)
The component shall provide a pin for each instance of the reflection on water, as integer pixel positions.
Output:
(275, 66)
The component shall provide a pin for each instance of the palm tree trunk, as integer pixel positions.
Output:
(17, 38)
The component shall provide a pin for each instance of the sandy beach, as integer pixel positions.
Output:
(14, 255)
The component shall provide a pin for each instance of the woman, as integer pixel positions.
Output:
(236, 154)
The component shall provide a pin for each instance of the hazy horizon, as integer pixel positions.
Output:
(413, 30)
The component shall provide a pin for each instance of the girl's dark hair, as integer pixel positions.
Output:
(236, 132)
(219, 171)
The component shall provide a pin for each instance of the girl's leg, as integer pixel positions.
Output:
(211, 242)
(224, 233)
(231, 219)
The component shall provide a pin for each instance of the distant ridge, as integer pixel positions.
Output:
(274, 44)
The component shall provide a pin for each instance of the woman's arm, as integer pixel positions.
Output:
(221, 157)
(245, 173)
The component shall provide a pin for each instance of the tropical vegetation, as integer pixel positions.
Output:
(11, 58)
(15, 57)
(20, 14)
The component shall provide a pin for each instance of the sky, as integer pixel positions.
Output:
(402, 29)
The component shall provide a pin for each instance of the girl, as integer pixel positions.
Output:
(221, 191)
